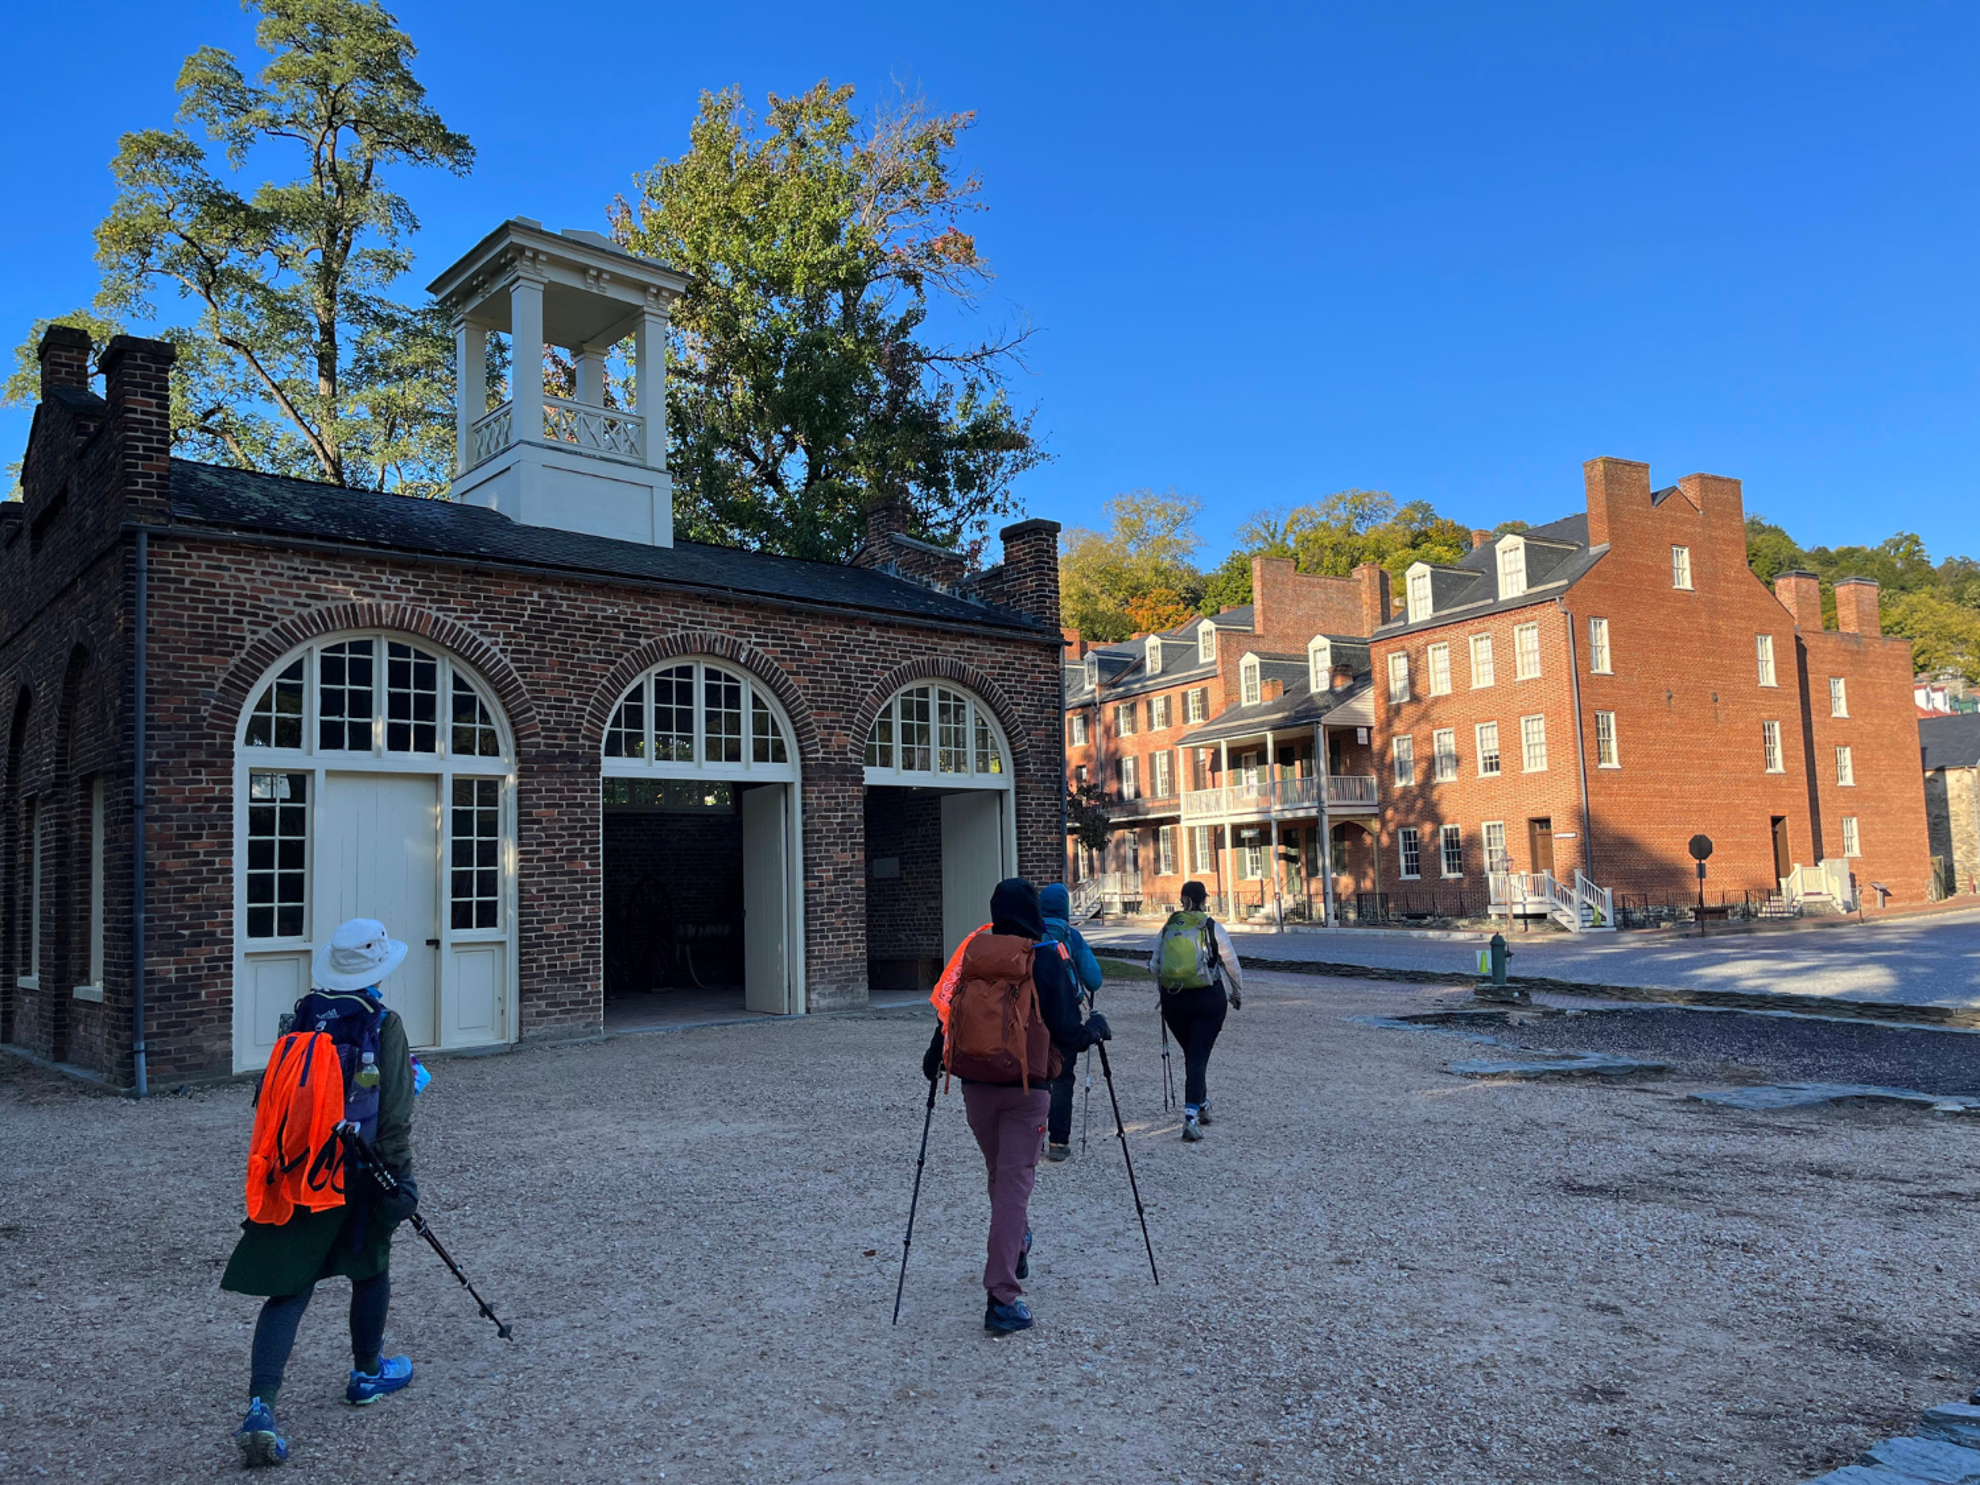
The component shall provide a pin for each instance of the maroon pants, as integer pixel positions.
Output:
(1007, 1123)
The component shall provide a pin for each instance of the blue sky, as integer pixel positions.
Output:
(1449, 251)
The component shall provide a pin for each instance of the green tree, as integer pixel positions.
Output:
(1149, 542)
(1228, 585)
(805, 384)
(298, 361)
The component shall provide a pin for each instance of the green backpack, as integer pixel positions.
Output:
(1186, 952)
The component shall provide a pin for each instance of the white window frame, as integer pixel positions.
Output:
(1439, 661)
(1402, 759)
(1195, 703)
(1163, 770)
(1526, 652)
(1251, 689)
(1497, 857)
(1450, 839)
(1126, 718)
(1165, 851)
(1319, 664)
(1152, 653)
(1409, 853)
(1845, 766)
(1838, 696)
(1763, 657)
(1599, 660)
(1512, 567)
(1251, 861)
(1606, 754)
(1079, 729)
(1533, 743)
(1398, 678)
(1202, 850)
(1481, 663)
(1681, 569)
(1488, 752)
(1127, 773)
(1444, 755)
(1206, 642)
(1158, 714)
(1416, 587)
(1770, 747)
(1852, 842)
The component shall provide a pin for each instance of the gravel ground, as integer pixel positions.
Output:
(1371, 1271)
(1901, 961)
(1732, 1048)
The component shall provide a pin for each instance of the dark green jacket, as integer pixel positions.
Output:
(288, 1257)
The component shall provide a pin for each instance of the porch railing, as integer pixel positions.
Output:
(1264, 798)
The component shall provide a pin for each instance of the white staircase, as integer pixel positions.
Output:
(1580, 908)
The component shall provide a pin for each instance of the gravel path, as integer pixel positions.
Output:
(1372, 1271)
(1904, 961)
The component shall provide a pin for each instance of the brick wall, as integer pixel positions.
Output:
(904, 912)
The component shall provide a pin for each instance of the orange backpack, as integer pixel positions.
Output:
(294, 1159)
(995, 1032)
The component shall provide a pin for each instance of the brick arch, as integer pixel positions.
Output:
(691, 642)
(236, 687)
(942, 668)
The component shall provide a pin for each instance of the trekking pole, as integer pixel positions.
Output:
(360, 1149)
(1107, 1071)
(1086, 1114)
(914, 1201)
(1168, 1075)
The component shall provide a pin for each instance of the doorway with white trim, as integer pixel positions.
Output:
(940, 831)
(702, 850)
(374, 778)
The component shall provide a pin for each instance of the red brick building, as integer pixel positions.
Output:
(567, 759)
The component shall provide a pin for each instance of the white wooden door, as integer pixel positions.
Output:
(972, 861)
(378, 856)
(766, 877)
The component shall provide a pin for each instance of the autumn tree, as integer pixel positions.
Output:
(806, 381)
(1146, 550)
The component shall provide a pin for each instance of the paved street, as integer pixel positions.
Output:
(1907, 961)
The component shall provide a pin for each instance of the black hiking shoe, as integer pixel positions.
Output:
(1024, 1258)
(1058, 1152)
(1203, 1114)
(1006, 1319)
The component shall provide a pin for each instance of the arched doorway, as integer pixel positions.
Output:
(940, 829)
(375, 778)
(703, 846)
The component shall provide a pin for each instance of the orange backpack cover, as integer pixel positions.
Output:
(296, 1114)
(995, 1033)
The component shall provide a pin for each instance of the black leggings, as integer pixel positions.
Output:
(275, 1332)
(1194, 1017)
(1058, 1122)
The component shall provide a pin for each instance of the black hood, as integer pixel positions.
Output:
(1014, 909)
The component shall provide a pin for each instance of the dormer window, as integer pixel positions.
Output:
(1206, 641)
(1092, 672)
(1248, 686)
(1418, 592)
(1319, 663)
(1512, 567)
(1154, 654)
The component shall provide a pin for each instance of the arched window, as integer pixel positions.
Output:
(1319, 663)
(1206, 642)
(374, 696)
(1154, 652)
(1249, 690)
(935, 734)
(697, 719)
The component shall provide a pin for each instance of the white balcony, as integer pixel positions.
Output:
(595, 430)
(1263, 799)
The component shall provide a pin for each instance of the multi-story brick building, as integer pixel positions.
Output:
(566, 758)
(1558, 713)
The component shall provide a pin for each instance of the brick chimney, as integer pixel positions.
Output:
(1800, 594)
(1479, 538)
(1856, 607)
(1029, 580)
(1342, 676)
(1617, 490)
(1374, 580)
(884, 518)
(1272, 690)
(1075, 645)
(64, 359)
(137, 378)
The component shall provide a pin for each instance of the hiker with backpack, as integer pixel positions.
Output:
(1010, 1024)
(1056, 904)
(345, 1061)
(1198, 972)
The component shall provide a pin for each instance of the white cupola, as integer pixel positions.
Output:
(574, 463)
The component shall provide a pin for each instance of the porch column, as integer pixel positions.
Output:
(591, 375)
(470, 387)
(1224, 887)
(1272, 799)
(526, 357)
(650, 383)
(1326, 825)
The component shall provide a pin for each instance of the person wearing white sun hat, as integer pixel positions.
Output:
(285, 1261)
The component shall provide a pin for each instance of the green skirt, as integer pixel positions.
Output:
(287, 1257)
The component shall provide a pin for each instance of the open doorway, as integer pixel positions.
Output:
(933, 858)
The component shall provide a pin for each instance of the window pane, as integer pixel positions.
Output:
(343, 696)
(673, 715)
(1488, 749)
(917, 731)
(412, 700)
(951, 733)
(474, 727)
(766, 736)
(278, 827)
(277, 718)
(626, 736)
(474, 853)
(989, 757)
(880, 741)
(722, 715)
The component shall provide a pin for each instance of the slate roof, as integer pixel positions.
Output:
(1950, 742)
(1298, 707)
(242, 500)
(1481, 595)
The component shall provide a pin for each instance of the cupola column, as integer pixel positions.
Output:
(650, 391)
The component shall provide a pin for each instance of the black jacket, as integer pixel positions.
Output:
(1014, 910)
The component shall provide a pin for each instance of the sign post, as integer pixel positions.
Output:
(1701, 850)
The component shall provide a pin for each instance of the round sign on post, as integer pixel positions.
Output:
(1701, 847)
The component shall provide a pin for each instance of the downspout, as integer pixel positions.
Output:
(1580, 751)
(137, 812)
(1326, 824)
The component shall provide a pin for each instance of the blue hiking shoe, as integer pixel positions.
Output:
(393, 1374)
(1004, 1319)
(1024, 1258)
(260, 1442)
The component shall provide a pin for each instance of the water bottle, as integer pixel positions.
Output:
(368, 1074)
